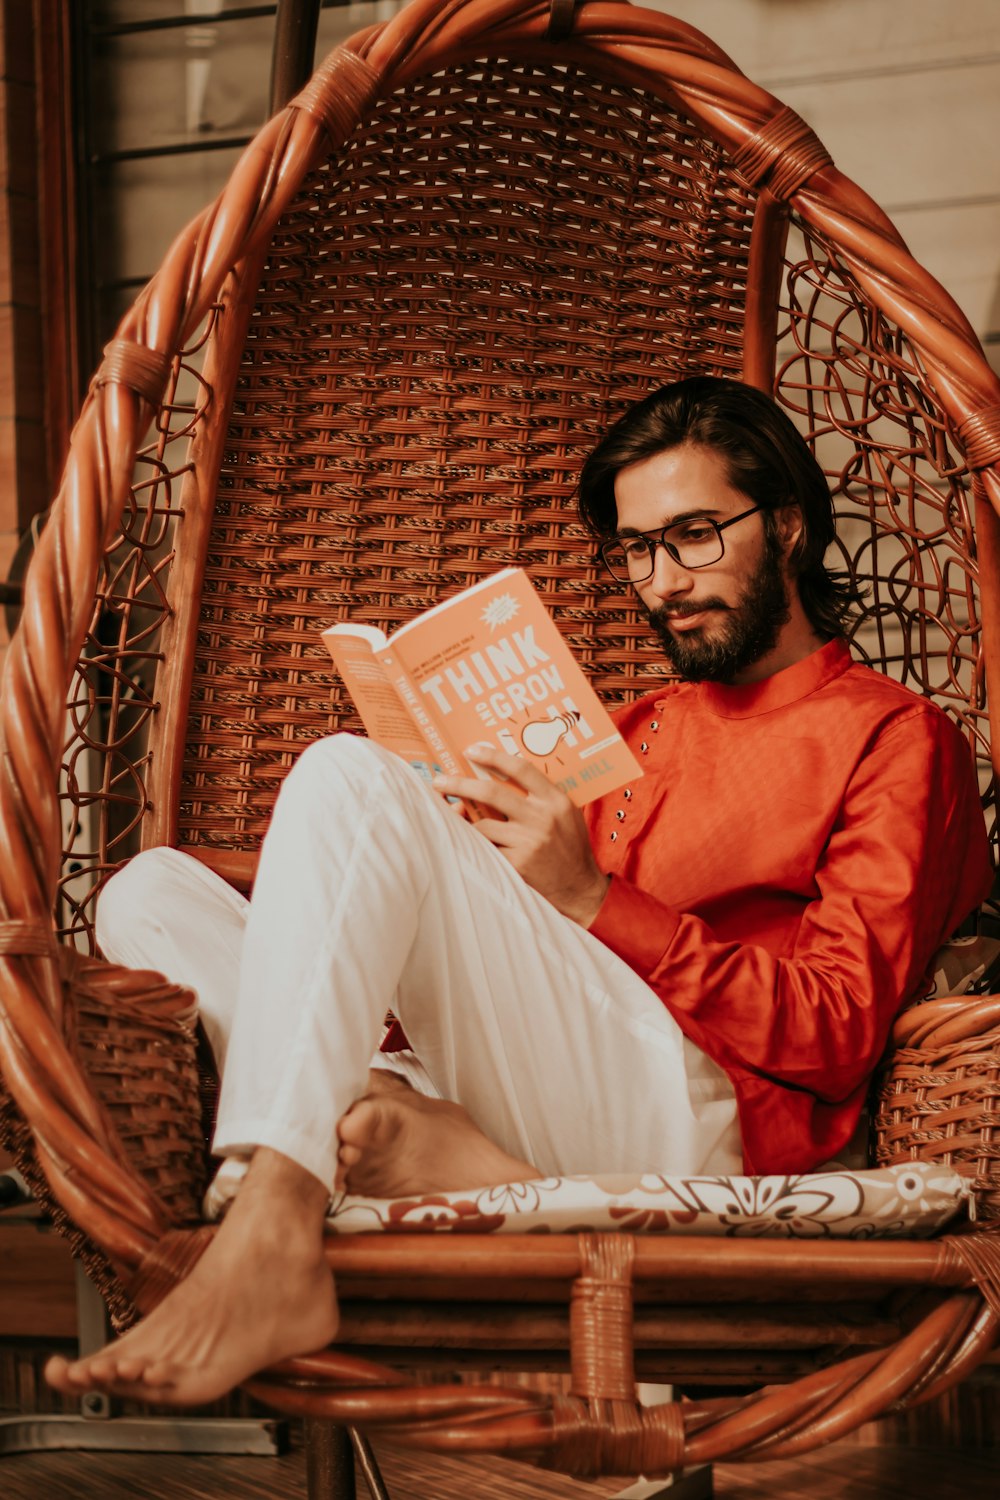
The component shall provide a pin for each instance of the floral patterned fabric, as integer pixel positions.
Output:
(912, 1200)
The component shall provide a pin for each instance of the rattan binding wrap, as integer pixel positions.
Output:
(356, 443)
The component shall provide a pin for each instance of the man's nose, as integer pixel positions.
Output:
(669, 579)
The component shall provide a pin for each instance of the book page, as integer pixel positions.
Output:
(377, 701)
(491, 667)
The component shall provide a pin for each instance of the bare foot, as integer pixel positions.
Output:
(396, 1144)
(262, 1292)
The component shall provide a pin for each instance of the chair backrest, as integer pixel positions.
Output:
(508, 240)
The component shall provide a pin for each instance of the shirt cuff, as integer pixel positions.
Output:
(635, 925)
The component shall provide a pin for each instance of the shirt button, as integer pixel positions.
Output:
(655, 725)
(644, 748)
(620, 816)
(627, 794)
(614, 835)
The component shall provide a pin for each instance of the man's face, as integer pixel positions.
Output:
(714, 622)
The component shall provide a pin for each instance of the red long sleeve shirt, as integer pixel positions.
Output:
(782, 875)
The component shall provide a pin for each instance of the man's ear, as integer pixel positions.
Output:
(791, 530)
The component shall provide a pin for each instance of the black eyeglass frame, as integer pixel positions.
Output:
(658, 538)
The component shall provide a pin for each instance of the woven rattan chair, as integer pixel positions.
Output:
(364, 377)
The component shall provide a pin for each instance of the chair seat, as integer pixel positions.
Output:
(910, 1200)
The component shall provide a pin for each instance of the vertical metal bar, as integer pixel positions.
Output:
(329, 1461)
(85, 295)
(294, 49)
(93, 1332)
(93, 1324)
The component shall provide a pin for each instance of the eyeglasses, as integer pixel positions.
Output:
(696, 543)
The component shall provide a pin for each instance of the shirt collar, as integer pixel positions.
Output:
(747, 700)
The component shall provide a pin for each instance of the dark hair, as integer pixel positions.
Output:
(766, 458)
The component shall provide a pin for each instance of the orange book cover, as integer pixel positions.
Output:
(488, 666)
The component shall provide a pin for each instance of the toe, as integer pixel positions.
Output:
(131, 1368)
(57, 1374)
(160, 1374)
(100, 1371)
(355, 1127)
(141, 1390)
(78, 1376)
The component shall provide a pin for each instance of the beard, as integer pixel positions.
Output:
(746, 631)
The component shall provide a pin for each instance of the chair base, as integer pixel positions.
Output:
(45, 1433)
(332, 1451)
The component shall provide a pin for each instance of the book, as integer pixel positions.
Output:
(487, 667)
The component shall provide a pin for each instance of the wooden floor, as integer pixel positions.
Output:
(842, 1472)
(947, 1450)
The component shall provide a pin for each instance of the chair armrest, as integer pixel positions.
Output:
(937, 1096)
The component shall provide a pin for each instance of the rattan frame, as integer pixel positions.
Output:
(136, 1233)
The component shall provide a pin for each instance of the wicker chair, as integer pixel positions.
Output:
(370, 371)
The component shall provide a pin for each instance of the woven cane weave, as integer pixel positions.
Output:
(439, 336)
(133, 1035)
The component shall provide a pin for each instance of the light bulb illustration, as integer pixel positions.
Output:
(541, 736)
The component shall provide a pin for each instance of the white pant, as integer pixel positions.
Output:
(372, 894)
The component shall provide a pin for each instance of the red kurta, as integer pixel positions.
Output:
(783, 873)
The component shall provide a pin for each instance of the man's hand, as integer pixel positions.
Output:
(538, 829)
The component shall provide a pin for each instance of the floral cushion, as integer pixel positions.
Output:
(914, 1199)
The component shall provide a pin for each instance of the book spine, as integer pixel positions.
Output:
(423, 721)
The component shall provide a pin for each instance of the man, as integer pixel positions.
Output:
(703, 967)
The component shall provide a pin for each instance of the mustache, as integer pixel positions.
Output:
(663, 613)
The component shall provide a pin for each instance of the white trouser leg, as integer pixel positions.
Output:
(372, 893)
(166, 911)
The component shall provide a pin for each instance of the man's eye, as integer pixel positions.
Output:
(634, 546)
(694, 532)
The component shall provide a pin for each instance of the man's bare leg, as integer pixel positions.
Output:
(395, 1143)
(261, 1292)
